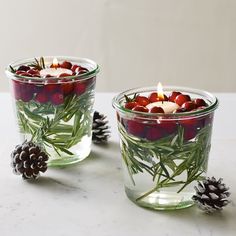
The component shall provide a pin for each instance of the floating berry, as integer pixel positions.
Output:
(140, 108)
(154, 133)
(153, 97)
(50, 88)
(48, 76)
(179, 110)
(16, 89)
(173, 95)
(130, 105)
(64, 75)
(19, 72)
(182, 98)
(57, 98)
(66, 65)
(74, 67)
(142, 101)
(199, 102)
(156, 110)
(33, 72)
(188, 106)
(169, 127)
(135, 128)
(26, 74)
(82, 71)
(190, 127)
(24, 68)
(41, 97)
(190, 133)
(67, 87)
(80, 88)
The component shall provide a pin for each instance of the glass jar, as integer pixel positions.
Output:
(163, 155)
(56, 112)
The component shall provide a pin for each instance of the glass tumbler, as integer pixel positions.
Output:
(163, 155)
(56, 112)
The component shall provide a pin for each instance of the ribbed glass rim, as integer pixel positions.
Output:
(79, 60)
(212, 100)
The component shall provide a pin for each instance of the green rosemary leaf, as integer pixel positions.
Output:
(12, 69)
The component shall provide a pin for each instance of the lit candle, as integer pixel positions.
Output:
(167, 106)
(55, 70)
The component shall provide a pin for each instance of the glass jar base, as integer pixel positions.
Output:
(161, 200)
(61, 162)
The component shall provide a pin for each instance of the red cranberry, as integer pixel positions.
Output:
(33, 72)
(66, 65)
(142, 101)
(131, 105)
(19, 72)
(179, 110)
(156, 110)
(23, 91)
(200, 108)
(57, 98)
(173, 95)
(80, 88)
(17, 89)
(182, 98)
(64, 75)
(26, 97)
(67, 87)
(169, 127)
(82, 72)
(153, 97)
(24, 68)
(199, 102)
(41, 97)
(140, 108)
(135, 128)
(190, 133)
(188, 106)
(154, 133)
(50, 88)
(48, 76)
(74, 67)
(26, 74)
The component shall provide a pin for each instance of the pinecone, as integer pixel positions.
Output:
(100, 130)
(28, 159)
(211, 195)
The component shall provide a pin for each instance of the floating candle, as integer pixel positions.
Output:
(167, 106)
(55, 70)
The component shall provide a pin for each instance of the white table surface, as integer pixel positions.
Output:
(89, 199)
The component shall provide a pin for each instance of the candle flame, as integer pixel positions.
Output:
(55, 62)
(160, 93)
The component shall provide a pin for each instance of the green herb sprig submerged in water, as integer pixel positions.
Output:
(167, 158)
(57, 127)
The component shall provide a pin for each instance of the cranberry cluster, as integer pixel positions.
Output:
(30, 71)
(52, 90)
(153, 130)
(185, 103)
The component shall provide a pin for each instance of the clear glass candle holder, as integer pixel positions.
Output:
(163, 155)
(56, 112)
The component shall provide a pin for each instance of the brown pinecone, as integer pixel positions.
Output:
(29, 160)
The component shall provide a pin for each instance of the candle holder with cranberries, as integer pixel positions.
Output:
(165, 139)
(53, 100)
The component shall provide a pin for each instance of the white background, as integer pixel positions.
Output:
(136, 42)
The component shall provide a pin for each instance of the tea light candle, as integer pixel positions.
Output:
(54, 70)
(167, 106)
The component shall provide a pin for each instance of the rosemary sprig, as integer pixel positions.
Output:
(167, 158)
(38, 64)
(57, 127)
